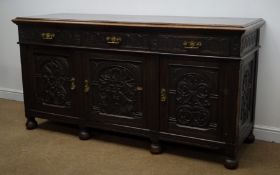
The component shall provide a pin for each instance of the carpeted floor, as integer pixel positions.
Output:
(54, 149)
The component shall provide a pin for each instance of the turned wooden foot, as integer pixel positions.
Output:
(230, 163)
(84, 134)
(31, 124)
(155, 148)
(250, 138)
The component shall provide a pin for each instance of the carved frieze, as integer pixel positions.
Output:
(248, 42)
(60, 36)
(119, 40)
(202, 45)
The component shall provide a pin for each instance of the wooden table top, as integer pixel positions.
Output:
(145, 21)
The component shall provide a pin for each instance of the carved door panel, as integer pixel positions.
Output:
(54, 80)
(190, 98)
(116, 91)
(247, 91)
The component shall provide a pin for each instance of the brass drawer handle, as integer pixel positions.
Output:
(48, 36)
(72, 84)
(87, 87)
(192, 44)
(163, 96)
(115, 40)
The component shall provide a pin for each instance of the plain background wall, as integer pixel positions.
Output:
(268, 95)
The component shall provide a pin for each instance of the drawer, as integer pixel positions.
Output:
(198, 45)
(49, 35)
(116, 40)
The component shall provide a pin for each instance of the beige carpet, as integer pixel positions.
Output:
(54, 149)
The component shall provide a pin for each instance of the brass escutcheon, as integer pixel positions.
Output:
(163, 96)
(115, 40)
(86, 88)
(192, 44)
(72, 84)
(48, 36)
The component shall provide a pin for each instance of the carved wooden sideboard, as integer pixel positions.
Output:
(181, 79)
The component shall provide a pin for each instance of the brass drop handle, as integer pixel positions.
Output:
(86, 87)
(114, 40)
(73, 84)
(192, 44)
(163, 96)
(47, 36)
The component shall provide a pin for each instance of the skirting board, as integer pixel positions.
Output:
(11, 94)
(266, 133)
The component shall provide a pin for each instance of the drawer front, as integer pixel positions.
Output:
(125, 39)
(116, 40)
(197, 45)
(49, 35)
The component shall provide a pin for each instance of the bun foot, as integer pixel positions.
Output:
(31, 124)
(84, 134)
(231, 163)
(250, 139)
(155, 148)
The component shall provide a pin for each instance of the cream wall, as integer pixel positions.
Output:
(268, 95)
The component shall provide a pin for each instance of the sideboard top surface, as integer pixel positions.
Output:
(146, 21)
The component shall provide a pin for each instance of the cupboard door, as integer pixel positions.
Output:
(52, 84)
(116, 88)
(190, 98)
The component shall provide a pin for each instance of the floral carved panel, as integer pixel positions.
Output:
(192, 96)
(117, 88)
(52, 81)
(195, 95)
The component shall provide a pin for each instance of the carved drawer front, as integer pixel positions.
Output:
(49, 35)
(53, 81)
(191, 105)
(116, 40)
(116, 89)
(197, 45)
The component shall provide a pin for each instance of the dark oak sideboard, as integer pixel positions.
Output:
(181, 79)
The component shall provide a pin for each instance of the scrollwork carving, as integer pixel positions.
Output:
(53, 80)
(246, 93)
(117, 95)
(248, 42)
(192, 97)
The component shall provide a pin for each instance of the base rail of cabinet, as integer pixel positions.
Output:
(231, 157)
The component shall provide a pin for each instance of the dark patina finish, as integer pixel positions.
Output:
(181, 79)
